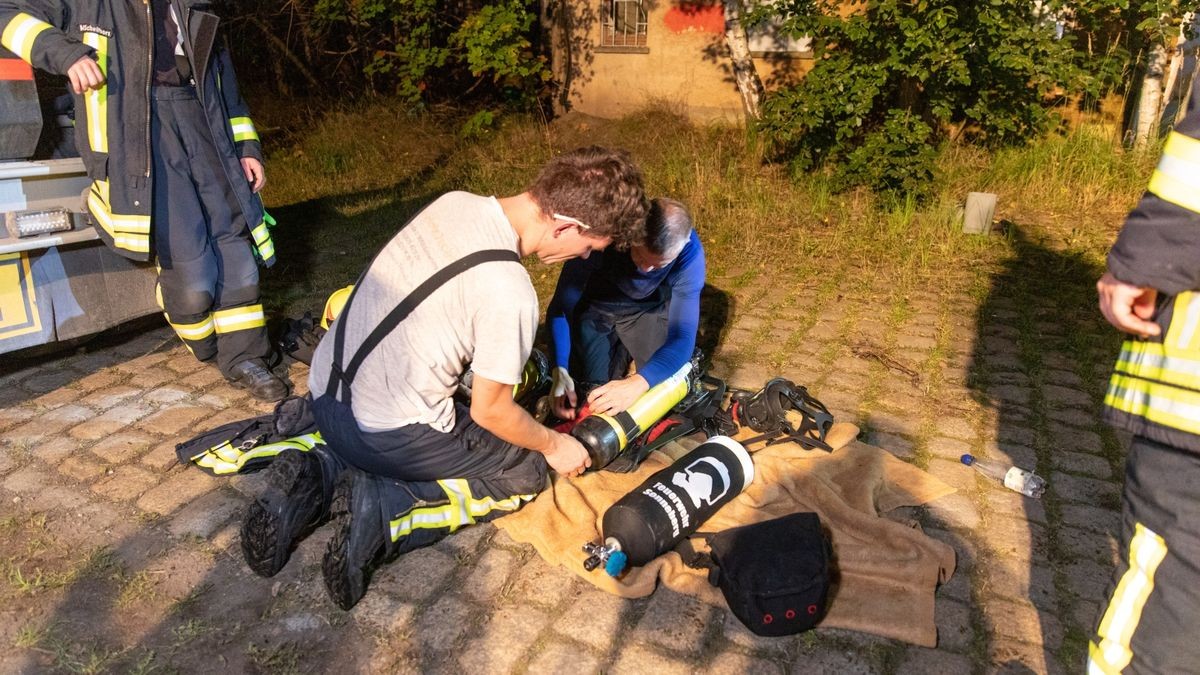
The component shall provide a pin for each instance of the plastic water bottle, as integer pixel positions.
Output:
(1014, 478)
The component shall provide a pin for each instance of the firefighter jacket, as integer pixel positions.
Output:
(113, 135)
(1155, 388)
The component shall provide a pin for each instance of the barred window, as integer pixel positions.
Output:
(622, 23)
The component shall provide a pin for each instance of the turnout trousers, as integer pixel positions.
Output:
(433, 482)
(208, 276)
(1150, 622)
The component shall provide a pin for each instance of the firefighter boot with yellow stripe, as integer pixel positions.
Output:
(295, 502)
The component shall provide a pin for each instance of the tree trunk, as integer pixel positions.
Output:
(1150, 99)
(748, 82)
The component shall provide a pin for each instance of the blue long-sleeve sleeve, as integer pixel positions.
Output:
(571, 283)
(683, 317)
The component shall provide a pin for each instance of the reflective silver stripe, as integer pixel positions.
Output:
(1133, 362)
(234, 319)
(1190, 320)
(20, 34)
(1141, 400)
(194, 331)
(1183, 170)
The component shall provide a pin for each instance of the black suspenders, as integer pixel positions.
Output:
(340, 378)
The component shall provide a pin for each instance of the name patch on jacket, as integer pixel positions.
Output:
(88, 28)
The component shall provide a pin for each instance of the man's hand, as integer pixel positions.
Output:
(615, 396)
(255, 175)
(1127, 307)
(492, 407)
(85, 75)
(562, 394)
(567, 456)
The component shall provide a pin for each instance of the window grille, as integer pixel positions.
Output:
(623, 23)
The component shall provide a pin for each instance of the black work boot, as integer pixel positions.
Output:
(360, 538)
(254, 377)
(293, 504)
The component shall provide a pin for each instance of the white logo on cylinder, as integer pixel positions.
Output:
(699, 483)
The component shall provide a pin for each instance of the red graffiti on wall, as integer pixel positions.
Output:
(698, 16)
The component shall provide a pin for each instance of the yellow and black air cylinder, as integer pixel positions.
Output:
(606, 436)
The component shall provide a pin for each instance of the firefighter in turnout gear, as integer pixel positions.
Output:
(175, 161)
(1152, 291)
(448, 290)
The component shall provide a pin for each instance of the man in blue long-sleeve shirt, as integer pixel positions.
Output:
(614, 307)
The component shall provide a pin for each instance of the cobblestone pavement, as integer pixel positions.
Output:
(118, 559)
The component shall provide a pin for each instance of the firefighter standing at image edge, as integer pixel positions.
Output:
(1152, 290)
(174, 159)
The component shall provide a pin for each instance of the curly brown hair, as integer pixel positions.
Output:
(599, 186)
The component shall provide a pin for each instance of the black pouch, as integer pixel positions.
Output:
(251, 444)
(775, 574)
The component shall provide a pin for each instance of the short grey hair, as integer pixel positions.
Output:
(668, 227)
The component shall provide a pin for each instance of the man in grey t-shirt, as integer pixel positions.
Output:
(404, 465)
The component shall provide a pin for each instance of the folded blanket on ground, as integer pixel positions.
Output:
(886, 572)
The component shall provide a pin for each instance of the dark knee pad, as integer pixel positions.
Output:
(186, 302)
(239, 295)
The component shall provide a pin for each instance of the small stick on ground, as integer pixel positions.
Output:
(864, 351)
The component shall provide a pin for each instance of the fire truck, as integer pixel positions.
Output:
(58, 281)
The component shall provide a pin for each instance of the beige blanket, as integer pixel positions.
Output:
(886, 571)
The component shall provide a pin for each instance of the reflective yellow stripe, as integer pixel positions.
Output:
(423, 518)
(20, 33)
(262, 241)
(462, 510)
(131, 233)
(226, 459)
(1153, 361)
(238, 318)
(194, 331)
(1177, 178)
(96, 101)
(243, 129)
(1159, 403)
(1112, 653)
(1185, 320)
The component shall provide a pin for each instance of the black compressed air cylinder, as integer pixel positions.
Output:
(677, 499)
(600, 438)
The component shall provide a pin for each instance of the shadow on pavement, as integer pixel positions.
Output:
(1038, 369)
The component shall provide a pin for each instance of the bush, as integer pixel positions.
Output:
(894, 77)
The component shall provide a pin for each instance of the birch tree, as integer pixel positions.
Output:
(748, 83)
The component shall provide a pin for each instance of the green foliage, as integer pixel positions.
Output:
(429, 49)
(894, 77)
(894, 157)
(1111, 36)
(495, 43)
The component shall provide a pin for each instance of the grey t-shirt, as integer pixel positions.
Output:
(485, 316)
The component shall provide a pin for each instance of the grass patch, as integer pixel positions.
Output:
(82, 658)
(138, 588)
(280, 659)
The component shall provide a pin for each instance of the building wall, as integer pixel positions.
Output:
(683, 63)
